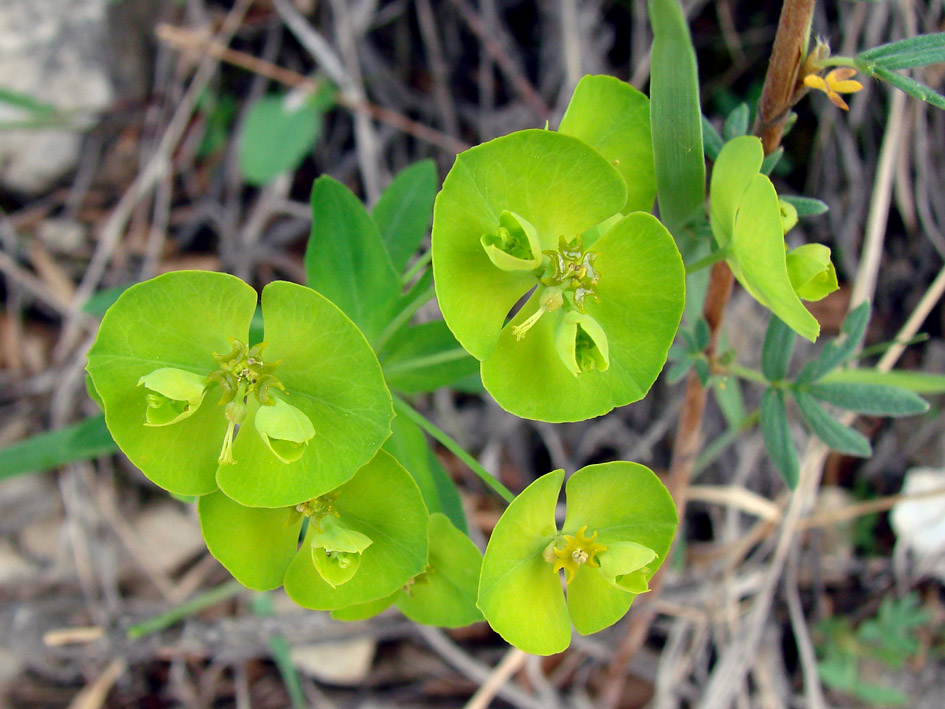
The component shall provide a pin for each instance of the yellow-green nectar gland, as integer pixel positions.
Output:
(568, 278)
(577, 551)
(242, 373)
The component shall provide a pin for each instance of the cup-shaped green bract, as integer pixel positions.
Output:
(444, 595)
(614, 118)
(811, 271)
(183, 392)
(382, 503)
(365, 539)
(618, 528)
(596, 330)
(570, 366)
(175, 321)
(747, 219)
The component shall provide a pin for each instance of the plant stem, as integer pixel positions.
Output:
(417, 266)
(710, 260)
(194, 605)
(787, 54)
(402, 407)
(401, 318)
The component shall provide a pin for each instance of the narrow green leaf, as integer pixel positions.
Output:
(908, 53)
(777, 350)
(841, 348)
(103, 300)
(771, 161)
(837, 436)
(675, 117)
(409, 446)
(275, 138)
(728, 395)
(405, 210)
(346, 260)
(910, 86)
(736, 123)
(872, 399)
(26, 102)
(425, 357)
(679, 370)
(82, 441)
(806, 206)
(712, 139)
(918, 382)
(777, 436)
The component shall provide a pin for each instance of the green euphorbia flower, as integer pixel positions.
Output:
(525, 213)
(365, 539)
(195, 407)
(618, 529)
(749, 221)
(444, 595)
(812, 273)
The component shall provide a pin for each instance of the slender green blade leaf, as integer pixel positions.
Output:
(712, 140)
(777, 436)
(805, 206)
(736, 123)
(27, 102)
(675, 117)
(426, 357)
(841, 348)
(81, 441)
(908, 53)
(918, 382)
(837, 436)
(872, 399)
(771, 161)
(346, 260)
(405, 210)
(409, 446)
(777, 350)
(914, 88)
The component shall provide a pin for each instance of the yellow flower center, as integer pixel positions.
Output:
(577, 550)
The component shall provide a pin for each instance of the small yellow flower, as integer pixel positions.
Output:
(578, 550)
(838, 81)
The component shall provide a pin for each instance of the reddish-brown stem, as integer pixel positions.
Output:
(778, 96)
(781, 83)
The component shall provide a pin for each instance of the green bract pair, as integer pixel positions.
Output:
(749, 222)
(618, 529)
(552, 215)
(178, 376)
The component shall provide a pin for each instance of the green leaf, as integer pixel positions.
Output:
(622, 502)
(558, 184)
(806, 206)
(771, 161)
(641, 291)
(331, 375)
(759, 260)
(733, 171)
(777, 350)
(908, 53)
(404, 211)
(675, 117)
(409, 446)
(918, 382)
(102, 300)
(736, 123)
(712, 139)
(841, 348)
(346, 260)
(276, 138)
(363, 611)
(254, 544)
(837, 436)
(81, 441)
(382, 502)
(518, 593)
(176, 320)
(444, 595)
(777, 436)
(872, 399)
(614, 118)
(425, 357)
(811, 271)
(908, 85)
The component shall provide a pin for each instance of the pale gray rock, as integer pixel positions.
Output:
(54, 51)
